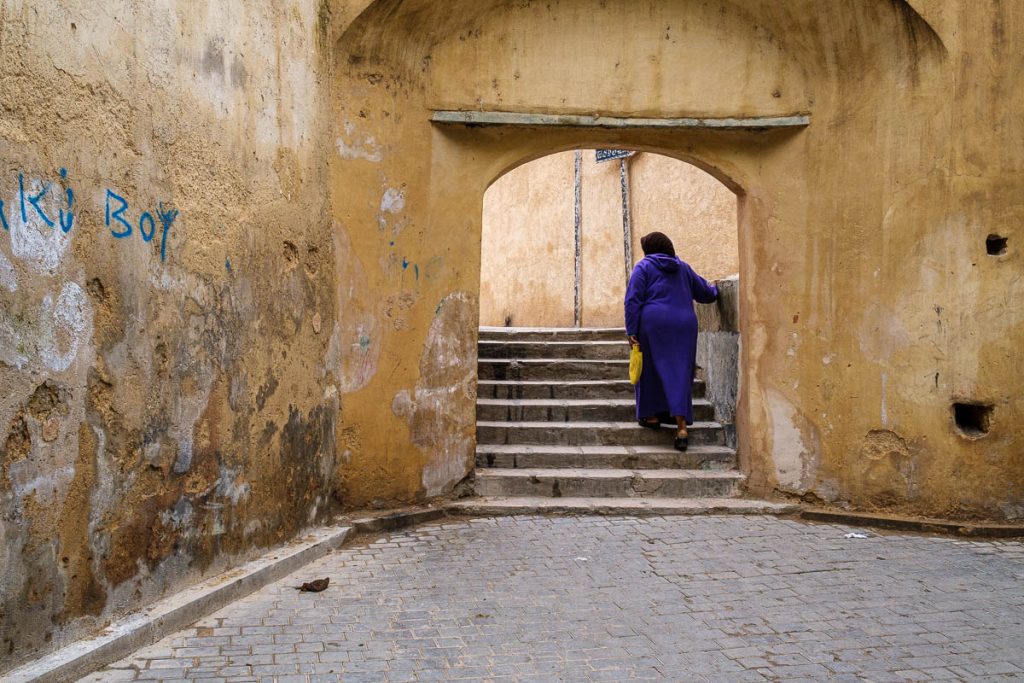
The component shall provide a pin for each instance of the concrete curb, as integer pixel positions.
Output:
(626, 507)
(392, 521)
(896, 523)
(174, 613)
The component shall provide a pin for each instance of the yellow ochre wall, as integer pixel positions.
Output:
(306, 342)
(868, 301)
(528, 252)
(168, 393)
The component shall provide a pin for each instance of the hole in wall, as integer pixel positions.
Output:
(973, 420)
(996, 245)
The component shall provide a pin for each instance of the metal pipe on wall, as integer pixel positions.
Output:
(627, 216)
(578, 234)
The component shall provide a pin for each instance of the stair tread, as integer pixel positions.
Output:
(580, 425)
(523, 449)
(589, 505)
(570, 401)
(595, 361)
(606, 465)
(604, 473)
(561, 382)
(557, 342)
(485, 329)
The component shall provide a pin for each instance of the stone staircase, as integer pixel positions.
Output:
(556, 432)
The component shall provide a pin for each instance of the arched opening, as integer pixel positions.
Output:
(560, 236)
(435, 116)
(597, 203)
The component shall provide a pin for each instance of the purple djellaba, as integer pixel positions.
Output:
(660, 317)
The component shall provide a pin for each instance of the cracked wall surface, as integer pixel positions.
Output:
(867, 300)
(166, 301)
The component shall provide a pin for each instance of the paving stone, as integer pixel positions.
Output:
(531, 598)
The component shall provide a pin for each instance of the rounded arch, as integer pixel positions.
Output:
(542, 212)
(731, 179)
(869, 74)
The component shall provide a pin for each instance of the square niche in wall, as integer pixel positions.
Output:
(973, 420)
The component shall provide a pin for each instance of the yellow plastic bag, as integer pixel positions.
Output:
(636, 363)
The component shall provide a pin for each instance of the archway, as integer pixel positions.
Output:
(561, 234)
(431, 118)
(557, 418)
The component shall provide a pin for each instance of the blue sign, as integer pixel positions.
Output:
(612, 154)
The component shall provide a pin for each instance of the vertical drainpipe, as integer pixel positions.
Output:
(578, 230)
(627, 219)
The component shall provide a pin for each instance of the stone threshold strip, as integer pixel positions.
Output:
(924, 525)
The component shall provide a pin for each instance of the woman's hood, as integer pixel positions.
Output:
(669, 264)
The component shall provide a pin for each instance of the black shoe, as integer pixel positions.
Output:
(681, 443)
(650, 425)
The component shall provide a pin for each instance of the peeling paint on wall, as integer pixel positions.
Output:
(355, 146)
(436, 410)
(795, 462)
(886, 467)
(143, 445)
(8, 278)
(67, 326)
(392, 204)
(354, 349)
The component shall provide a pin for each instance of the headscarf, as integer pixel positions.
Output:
(657, 243)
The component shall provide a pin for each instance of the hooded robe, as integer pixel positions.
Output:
(659, 311)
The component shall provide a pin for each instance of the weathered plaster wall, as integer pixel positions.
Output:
(527, 254)
(527, 273)
(689, 205)
(166, 301)
(868, 301)
(718, 354)
(303, 337)
(527, 262)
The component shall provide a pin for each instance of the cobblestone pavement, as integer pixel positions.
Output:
(617, 599)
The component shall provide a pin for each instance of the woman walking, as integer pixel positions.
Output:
(660, 318)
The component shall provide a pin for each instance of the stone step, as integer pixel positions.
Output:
(592, 433)
(523, 505)
(552, 369)
(607, 483)
(576, 350)
(552, 334)
(575, 389)
(605, 457)
(572, 410)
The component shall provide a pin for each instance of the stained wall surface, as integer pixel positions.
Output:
(167, 298)
(868, 302)
(528, 251)
(300, 336)
(527, 274)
